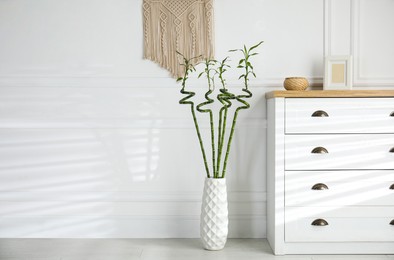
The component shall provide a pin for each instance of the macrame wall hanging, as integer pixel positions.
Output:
(185, 26)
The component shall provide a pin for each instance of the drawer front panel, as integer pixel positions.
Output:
(338, 188)
(327, 152)
(341, 227)
(344, 115)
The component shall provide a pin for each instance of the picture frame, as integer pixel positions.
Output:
(338, 74)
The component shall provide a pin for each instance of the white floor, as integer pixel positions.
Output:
(152, 249)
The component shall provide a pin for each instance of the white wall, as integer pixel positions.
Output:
(93, 142)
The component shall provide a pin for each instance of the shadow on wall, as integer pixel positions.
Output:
(74, 181)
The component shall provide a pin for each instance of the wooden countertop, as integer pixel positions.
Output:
(329, 93)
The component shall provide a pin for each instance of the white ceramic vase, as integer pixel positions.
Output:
(214, 214)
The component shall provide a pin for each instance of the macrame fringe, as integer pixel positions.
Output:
(185, 26)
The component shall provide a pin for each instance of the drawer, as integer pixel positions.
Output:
(338, 188)
(356, 224)
(344, 115)
(327, 152)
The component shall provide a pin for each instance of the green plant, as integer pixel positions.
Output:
(214, 69)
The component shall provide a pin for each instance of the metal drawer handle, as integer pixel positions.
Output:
(392, 113)
(392, 222)
(392, 150)
(319, 222)
(320, 150)
(320, 186)
(321, 113)
(392, 187)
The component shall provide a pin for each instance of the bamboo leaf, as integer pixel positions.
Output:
(255, 46)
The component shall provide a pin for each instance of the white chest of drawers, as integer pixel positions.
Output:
(330, 172)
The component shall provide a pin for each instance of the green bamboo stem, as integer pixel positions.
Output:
(208, 64)
(189, 68)
(243, 64)
(185, 101)
(213, 143)
(212, 129)
(229, 142)
(224, 98)
(221, 133)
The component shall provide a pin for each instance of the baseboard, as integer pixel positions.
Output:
(123, 227)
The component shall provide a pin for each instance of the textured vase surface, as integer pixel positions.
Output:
(214, 214)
